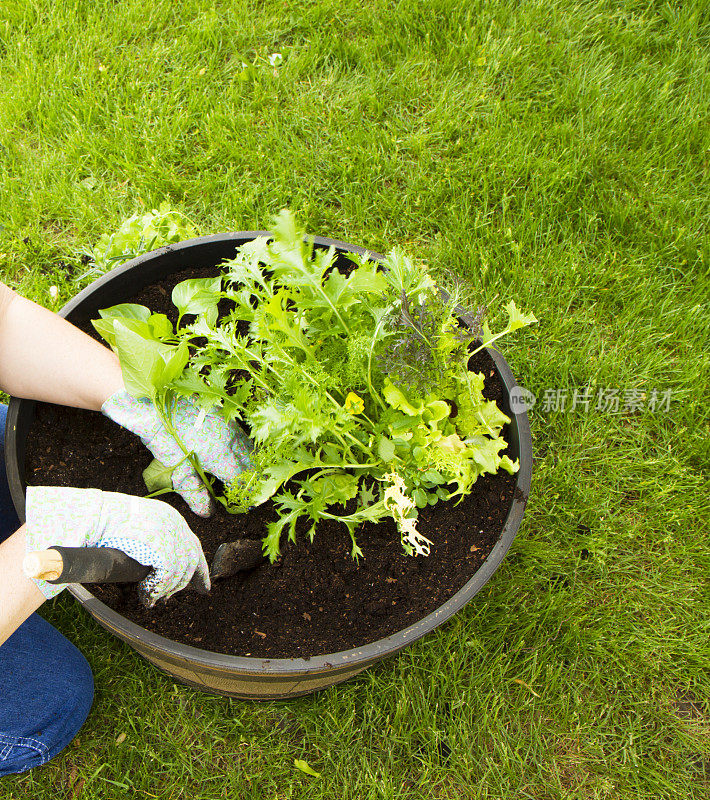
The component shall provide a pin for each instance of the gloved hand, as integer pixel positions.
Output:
(222, 449)
(150, 531)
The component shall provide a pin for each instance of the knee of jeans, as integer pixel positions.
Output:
(75, 695)
(68, 703)
(81, 691)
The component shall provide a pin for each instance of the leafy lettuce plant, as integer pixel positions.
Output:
(138, 234)
(354, 385)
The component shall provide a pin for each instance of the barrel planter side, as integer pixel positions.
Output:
(242, 676)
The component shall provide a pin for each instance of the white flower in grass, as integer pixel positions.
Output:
(276, 59)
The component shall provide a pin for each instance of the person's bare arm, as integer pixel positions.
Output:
(19, 595)
(44, 357)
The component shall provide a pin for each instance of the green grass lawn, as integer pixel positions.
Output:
(552, 152)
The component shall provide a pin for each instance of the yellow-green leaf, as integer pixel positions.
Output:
(516, 317)
(303, 766)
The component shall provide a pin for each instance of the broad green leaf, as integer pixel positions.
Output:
(476, 415)
(157, 476)
(140, 360)
(175, 362)
(147, 365)
(397, 399)
(159, 326)
(338, 487)
(485, 417)
(435, 411)
(401, 425)
(198, 295)
(451, 444)
(122, 311)
(125, 311)
(420, 497)
(433, 476)
(303, 766)
(104, 327)
(385, 449)
(136, 318)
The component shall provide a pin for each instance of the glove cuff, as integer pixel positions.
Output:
(136, 416)
(57, 515)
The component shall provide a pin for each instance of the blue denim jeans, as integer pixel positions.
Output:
(46, 685)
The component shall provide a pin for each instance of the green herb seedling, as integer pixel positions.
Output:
(345, 379)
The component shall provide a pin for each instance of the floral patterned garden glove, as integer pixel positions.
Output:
(222, 449)
(150, 531)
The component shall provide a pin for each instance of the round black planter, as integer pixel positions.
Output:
(239, 676)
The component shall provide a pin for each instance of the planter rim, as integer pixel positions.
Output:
(215, 238)
(131, 632)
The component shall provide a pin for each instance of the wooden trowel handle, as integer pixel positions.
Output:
(83, 565)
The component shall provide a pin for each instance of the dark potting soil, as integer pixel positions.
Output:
(315, 599)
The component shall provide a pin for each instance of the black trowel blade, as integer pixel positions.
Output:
(233, 557)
